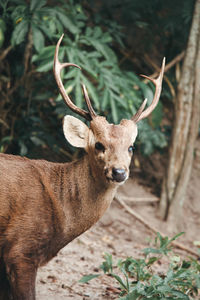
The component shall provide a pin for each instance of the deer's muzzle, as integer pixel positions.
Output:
(119, 175)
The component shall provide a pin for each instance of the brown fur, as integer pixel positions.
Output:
(46, 205)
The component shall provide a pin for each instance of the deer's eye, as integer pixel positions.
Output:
(130, 149)
(99, 146)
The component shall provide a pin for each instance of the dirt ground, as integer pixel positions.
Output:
(119, 234)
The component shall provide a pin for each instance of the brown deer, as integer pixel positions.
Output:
(44, 205)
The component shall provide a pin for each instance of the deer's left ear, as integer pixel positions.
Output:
(75, 131)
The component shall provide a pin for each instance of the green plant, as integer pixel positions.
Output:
(31, 31)
(138, 279)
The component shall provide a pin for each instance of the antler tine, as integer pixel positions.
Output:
(88, 102)
(158, 84)
(140, 110)
(57, 69)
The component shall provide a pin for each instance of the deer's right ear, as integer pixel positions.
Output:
(75, 131)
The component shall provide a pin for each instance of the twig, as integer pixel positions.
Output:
(155, 230)
(70, 156)
(141, 200)
(173, 62)
(127, 55)
(4, 123)
(5, 53)
(72, 290)
(19, 82)
(168, 66)
(170, 86)
(28, 50)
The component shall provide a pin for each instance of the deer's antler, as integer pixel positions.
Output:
(88, 115)
(141, 113)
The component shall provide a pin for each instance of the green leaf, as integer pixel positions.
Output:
(107, 265)
(105, 50)
(114, 110)
(157, 115)
(152, 260)
(45, 53)
(197, 280)
(19, 33)
(131, 296)
(86, 66)
(97, 32)
(1, 37)
(2, 25)
(47, 29)
(45, 66)
(78, 92)
(88, 31)
(106, 38)
(71, 73)
(67, 23)
(147, 92)
(122, 284)
(37, 141)
(176, 236)
(37, 4)
(186, 264)
(45, 58)
(179, 294)
(120, 100)
(23, 148)
(89, 277)
(38, 38)
(105, 99)
(91, 91)
(151, 250)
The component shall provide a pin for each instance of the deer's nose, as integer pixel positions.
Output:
(118, 174)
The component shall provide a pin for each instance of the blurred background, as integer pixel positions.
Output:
(113, 42)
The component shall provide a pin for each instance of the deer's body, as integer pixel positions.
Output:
(34, 228)
(44, 205)
(69, 205)
(71, 202)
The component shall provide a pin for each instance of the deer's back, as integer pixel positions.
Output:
(21, 181)
(28, 210)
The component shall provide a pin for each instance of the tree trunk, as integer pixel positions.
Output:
(187, 117)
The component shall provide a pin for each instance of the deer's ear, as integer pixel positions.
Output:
(75, 131)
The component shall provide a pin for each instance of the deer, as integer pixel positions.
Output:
(46, 205)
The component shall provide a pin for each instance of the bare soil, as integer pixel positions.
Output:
(119, 234)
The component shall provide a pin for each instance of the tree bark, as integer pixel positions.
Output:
(187, 117)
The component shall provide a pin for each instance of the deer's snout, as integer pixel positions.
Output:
(119, 175)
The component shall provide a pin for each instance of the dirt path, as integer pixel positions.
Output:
(117, 233)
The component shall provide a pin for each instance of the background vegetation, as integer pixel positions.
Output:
(138, 278)
(113, 42)
(108, 39)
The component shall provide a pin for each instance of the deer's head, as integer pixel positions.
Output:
(109, 146)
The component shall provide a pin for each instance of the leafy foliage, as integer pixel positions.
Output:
(28, 34)
(137, 278)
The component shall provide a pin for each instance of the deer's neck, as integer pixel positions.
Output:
(84, 197)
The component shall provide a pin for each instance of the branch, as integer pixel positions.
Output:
(174, 61)
(5, 52)
(153, 229)
(4, 123)
(28, 50)
(168, 66)
(19, 82)
(142, 200)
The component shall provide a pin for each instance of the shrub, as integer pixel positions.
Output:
(28, 34)
(138, 279)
